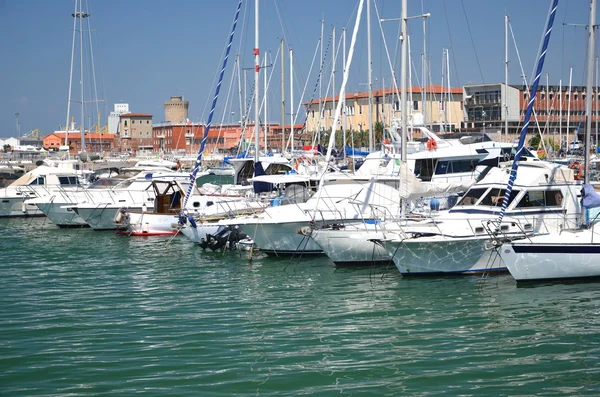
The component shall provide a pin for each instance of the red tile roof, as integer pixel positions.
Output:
(431, 89)
(75, 136)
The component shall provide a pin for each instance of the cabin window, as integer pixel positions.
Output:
(551, 198)
(38, 181)
(471, 196)
(209, 203)
(196, 204)
(424, 169)
(495, 197)
(450, 167)
(68, 180)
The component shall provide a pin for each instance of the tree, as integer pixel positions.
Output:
(378, 129)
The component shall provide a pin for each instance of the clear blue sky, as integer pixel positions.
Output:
(148, 50)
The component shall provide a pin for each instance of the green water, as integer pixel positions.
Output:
(86, 313)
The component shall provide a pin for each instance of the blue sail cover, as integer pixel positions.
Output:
(260, 187)
(354, 152)
(590, 199)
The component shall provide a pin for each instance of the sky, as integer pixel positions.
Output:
(146, 51)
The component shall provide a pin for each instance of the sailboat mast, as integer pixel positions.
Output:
(81, 15)
(403, 80)
(588, 96)
(505, 93)
(282, 98)
(256, 83)
(292, 100)
(369, 71)
(344, 97)
(71, 78)
(569, 109)
(266, 125)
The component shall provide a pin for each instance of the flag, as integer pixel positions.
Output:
(188, 121)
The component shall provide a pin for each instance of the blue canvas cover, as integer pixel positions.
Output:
(590, 199)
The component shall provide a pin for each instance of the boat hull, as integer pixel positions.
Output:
(444, 257)
(15, 207)
(344, 250)
(282, 238)
(544, 258)
(149, 224)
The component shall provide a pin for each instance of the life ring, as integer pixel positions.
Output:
(431, 144)
(386, 141)
(578, 168)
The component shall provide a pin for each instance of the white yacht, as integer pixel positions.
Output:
(60, 206)
(545, 199)
(167, 215)
(40, 181)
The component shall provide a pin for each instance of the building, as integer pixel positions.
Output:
(187, 137)
(176, 110)
(135, 132)
(94, 142)
(442, 108)
(6, 142)
(176, 137)
(114, 117)
(559, 113)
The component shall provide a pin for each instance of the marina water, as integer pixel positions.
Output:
(86, 313)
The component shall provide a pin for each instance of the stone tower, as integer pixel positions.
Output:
(176, 110)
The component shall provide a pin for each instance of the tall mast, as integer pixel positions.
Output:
(424, 78)
(505, 93)
(282, 98)
(403, 109)
(588, 96)
(333, 74)
(403, 79)
(448, 97)
(569, 108)
(266, 128)
(292, 100)
(71, 78)
(239, 79)
(370, 88)
(596, 97)
(344, 97)
(256, 84)
(560, 112)
(321, 102)
(81, 15)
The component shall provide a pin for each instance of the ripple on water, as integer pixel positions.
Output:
(90, 313)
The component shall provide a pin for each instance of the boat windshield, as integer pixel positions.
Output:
(472, 196)
(106, 183)
(495, 197)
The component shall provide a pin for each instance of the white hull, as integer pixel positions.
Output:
(150, 224)
(281, 238)
(344, 250)
(101, 216)
(13, 207)
(444, 256)
(61, 215)
(196, 234)
(569, 255)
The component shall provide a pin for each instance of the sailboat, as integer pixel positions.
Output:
(571, 253)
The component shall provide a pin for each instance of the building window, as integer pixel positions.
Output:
(359, 109)
(125, 123)
(147, 121)
(132, 121)
(415, 105)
